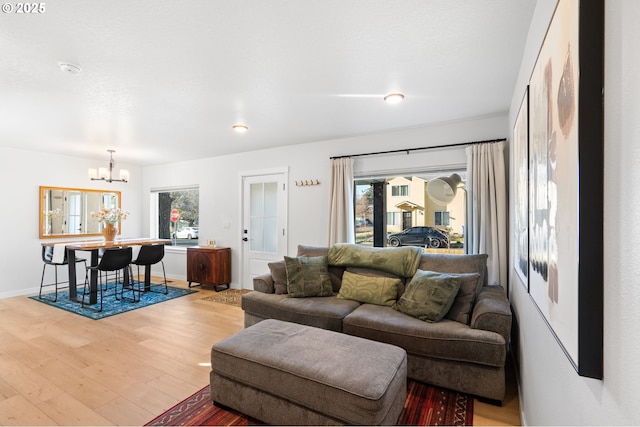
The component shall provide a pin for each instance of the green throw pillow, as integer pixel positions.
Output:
(308, 277)
(369, 289)
(429, 295)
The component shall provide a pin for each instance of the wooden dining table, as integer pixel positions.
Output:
(94, 246)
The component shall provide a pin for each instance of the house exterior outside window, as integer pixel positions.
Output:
(407, 204)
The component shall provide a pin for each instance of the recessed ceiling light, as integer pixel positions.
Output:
(240, 128)
(74, 70)
(394, 98)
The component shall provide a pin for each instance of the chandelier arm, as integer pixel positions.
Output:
(112, 164)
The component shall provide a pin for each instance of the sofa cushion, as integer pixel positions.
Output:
(447, 263)
(335, 273)
(462, 306)
(369, 289)
(447, 339)
(279, 274)
(306, 250)
(428, 296)
(321, 312)
(308, 277)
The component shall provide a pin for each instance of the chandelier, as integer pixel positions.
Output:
(106, 174)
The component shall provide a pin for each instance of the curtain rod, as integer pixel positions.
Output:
(407, 150)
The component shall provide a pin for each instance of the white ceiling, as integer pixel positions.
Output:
(165, 80)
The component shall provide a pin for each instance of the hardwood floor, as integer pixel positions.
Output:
(58, 368)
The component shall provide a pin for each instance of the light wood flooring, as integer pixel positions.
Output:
(58, 368)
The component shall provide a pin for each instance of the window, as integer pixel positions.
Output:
(400, 190)
(186, 201)
(393, 218)
(400, 203)
(441, 218)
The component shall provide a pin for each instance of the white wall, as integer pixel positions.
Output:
(21, 174)
(551, 391)
(24, 171)
(219, 180)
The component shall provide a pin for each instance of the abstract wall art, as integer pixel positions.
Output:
(565, 181)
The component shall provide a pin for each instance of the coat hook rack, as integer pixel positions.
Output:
(307, 182)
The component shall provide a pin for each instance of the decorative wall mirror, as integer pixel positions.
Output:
(66, 212)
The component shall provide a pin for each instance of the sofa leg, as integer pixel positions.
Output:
(220, 405)
(493, 402)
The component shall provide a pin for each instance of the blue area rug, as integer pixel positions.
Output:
(110, 306)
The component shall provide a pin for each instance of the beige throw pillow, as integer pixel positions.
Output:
(369, 289)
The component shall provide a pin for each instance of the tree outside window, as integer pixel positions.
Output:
(364, 213)
(184, 232)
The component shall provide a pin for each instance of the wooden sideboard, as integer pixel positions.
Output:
(208, 265)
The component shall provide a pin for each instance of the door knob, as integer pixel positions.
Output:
(244, 239)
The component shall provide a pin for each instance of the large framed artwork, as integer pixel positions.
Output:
(521, 178)
(565, 269)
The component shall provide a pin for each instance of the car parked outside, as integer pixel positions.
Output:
(429, 237)
(186, 233)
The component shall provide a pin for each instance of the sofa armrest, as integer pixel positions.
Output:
(264, 284)
(492, 312)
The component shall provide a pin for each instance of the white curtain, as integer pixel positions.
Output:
(487, 207)
(341, 219)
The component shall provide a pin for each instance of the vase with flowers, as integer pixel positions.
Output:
(109, 219)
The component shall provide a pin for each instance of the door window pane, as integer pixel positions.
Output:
(257, 234)
(270, 199)
(271, 235)
(75, 209)
(264, 217)
(257, 199)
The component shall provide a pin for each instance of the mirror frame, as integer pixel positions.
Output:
(41, 224)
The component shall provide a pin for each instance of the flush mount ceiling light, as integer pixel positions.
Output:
(74, 70)
(240, 128)
(106, 174)
(393, 98)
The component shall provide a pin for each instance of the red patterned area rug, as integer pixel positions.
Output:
(425, 406)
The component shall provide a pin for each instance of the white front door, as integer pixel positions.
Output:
(264, 224)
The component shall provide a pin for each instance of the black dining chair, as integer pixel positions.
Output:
(113, 260)
(150, 255)
(47, 259)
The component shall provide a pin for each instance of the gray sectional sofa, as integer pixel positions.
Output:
(467, 354)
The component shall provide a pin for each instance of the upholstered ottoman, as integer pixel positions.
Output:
(289, 374)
